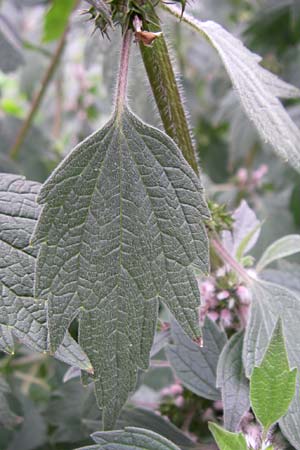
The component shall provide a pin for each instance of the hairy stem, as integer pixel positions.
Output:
(37, 100)
(227, 258)
(123, 73)
(167, 95)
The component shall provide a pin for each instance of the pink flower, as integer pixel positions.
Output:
(226, 317)
(222, 295)
(259, 173)
(244, 294)
(179, 401)
(176, 389)
(207, 289)
(242, 176)
(213, 315)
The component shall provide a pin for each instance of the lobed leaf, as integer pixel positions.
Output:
(196, 367)
(233, 383)
(290, 423)
(257, 88)
(272, 384)
(21, 314)
(120, 228)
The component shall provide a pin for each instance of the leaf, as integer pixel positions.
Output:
(257, 88)
(245, 231)
(161, 339)
(273, 384)
(269, 302)
(130, 437)
(36, 156)
(20, 313)
(10, 49)
(57, 18)
(233, 382)
(7, 417)
(286, 246)
(120, 229)
(196, 367)
(290, 423)
(227, 440)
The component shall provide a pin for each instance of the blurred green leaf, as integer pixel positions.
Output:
(286, 246)
(57, 18)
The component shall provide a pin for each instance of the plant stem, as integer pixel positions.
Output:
(37, 100)
(163, 83)
(227, 258)
(123, 73)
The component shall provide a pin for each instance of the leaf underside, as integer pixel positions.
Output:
(196, 367)
(257, 88)
(20, 314)
(121, 226)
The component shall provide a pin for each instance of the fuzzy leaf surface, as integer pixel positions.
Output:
(227, 440)
(290, 423)
(196, 367)
(21, 314)
(283, 247)
(257, 88)
(133, 438)
(272, 384)
(271, 301)
(233, 382)
(120, 228)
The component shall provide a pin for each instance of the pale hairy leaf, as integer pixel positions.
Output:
(21, 314)
(257, 88)
(290, 423)
(121, 227)
(271, 301)
(196, 367)
(7, 417)
(233, 383)
(131, 437)
(283, 247)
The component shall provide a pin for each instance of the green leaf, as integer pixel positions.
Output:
(20, 313)
(196, 367)
(130, 437)
(57, 18)
(227, 440)
(286, 246)
(233, 382)
(273, 384)
(120, 230)
(7, 417)
(270, 300)
(257, 88)
(10, 49)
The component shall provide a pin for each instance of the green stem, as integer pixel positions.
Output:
(37, 100)
(123, 73)
(167, 95)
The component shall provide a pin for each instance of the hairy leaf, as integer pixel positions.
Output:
(196, 367)
(227, 440)
(20, 313)
(130, 437)
(271, 301)
(257, 88)
(286, 246)
(233, 382)
(57, 18)
(272, 384)
(10, 49)
(7, 417)
(120, 229)
(290, 423)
